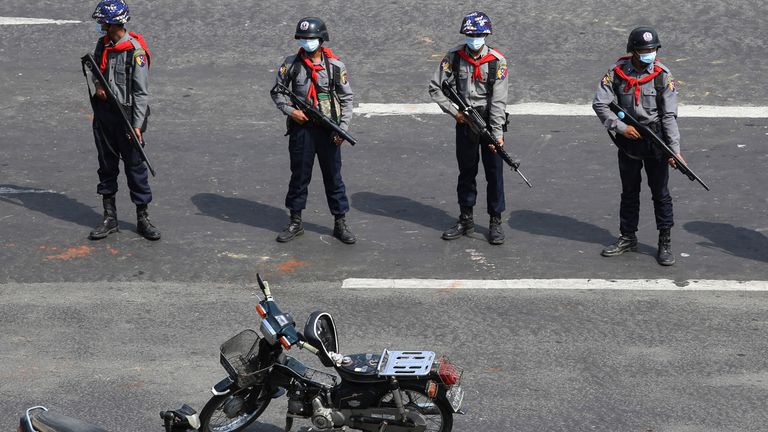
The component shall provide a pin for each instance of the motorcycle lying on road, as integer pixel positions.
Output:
(395, 391)
(39, 419)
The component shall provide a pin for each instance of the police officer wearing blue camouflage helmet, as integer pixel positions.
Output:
(123, 58)
(480, 75)
(316, 74)
(645, 88)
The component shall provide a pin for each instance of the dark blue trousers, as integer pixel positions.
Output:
(304, 143)
(112, 144)
(469, 151)
(657, 171)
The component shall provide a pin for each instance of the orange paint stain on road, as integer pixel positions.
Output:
(290, 266)
(72, 253)
(112, 250)
(51, 248)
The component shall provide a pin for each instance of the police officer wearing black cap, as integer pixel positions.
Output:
(646, 89)
(316, 74)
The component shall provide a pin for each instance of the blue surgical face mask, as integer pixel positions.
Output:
(100, 29)
(474, 43)
(309, 45)
(647, 58)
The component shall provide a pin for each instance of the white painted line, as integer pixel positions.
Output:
(559, 284)
(560, 110)
(12, 191)
(33, 21)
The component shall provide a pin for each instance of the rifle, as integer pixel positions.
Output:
(313, 113)
(651, 136)
(480, 127)
(89, 62)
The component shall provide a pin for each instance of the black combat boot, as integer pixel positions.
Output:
(293, 230)
(626, 242)
(109, 224)
(341, 230)
(465, 225)
(664, 255)
(496, 234)
(143, 226)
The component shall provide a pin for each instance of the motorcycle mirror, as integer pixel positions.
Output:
(264, 287)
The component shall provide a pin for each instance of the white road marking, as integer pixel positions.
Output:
(559, 284)
(33, 21)
(561, 110)
(13, 191)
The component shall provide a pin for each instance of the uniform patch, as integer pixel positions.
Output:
(141, 60)
(672, 85)
(607, 79)
(501, 73)
(344, 77)
(281, 72)
(445, 65)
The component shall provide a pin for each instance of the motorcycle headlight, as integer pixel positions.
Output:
(268, 332)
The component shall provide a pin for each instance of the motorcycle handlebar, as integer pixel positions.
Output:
(308, 347)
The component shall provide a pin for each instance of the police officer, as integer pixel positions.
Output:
(480, 75)
(123, 58)
(316, 74)
(646, 89)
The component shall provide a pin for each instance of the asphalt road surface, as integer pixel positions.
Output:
(114, 331)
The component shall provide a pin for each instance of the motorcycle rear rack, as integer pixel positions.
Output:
(406, 363)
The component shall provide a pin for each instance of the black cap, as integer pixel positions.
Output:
(311, 27)
(643, 38)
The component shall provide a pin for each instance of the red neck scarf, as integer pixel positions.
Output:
(634, 82)
(122, 46)
(476, 74)
(314, 68)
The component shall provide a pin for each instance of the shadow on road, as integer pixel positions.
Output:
(565, 227)
(737, 241)
(552, 225)
(55, 205)
(402, 208)
(243, 211)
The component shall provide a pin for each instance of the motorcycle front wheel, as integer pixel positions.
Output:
(233, 411)
(438, 415)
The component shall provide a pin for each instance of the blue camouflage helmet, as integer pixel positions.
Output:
(476, 23)
(111, 12)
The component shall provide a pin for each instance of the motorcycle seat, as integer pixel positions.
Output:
(361, 368)
(50, 422)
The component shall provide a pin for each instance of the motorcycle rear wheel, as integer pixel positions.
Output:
(214, 419)
(438, 414)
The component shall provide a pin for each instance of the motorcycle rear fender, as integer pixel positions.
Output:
(223, 387)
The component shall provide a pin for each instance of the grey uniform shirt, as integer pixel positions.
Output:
(302, 83)
(652, 108)
(116, 76)
(474, 91)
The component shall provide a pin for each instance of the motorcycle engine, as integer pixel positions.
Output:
(325, 418)
(298, 403)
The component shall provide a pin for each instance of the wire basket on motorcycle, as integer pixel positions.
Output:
(239, 358)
